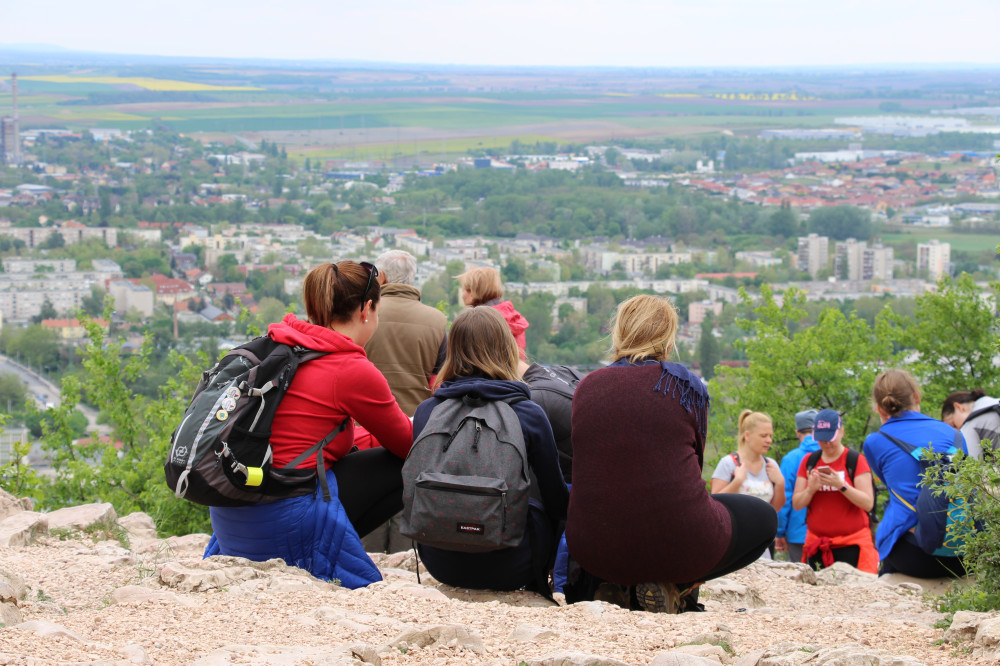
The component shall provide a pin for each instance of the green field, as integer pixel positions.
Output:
(960, 242)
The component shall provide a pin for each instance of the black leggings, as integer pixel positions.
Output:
(755, 523)
(907, 557)
(370, 487)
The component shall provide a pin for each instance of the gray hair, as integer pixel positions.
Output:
(398, 266)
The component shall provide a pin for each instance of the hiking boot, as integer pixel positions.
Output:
(612, 594)
(658, 597)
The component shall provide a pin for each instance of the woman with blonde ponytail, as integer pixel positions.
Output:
(749, 471)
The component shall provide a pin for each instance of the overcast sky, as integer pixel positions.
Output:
(644, 33)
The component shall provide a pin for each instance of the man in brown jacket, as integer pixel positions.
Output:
(408, 348)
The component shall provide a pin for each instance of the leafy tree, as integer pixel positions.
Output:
(952, 334)
(128, 473)
(54, 241)
(830, 365)
(708, 348)
(48, 311)
(13, 392)
(841, 222)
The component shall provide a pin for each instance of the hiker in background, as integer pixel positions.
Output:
(792, 523)
(978, 417)
(482, 286)
(897, 402)
(408, 349)
(341, 302)
(749, 471)
(642, 530)
(835, 483)
(481, 365)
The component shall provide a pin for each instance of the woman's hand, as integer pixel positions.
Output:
(814, 481)
(774, 474)
(740, 474)
(829, 478)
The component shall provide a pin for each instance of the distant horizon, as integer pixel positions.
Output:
(38, 49)
(665, 34)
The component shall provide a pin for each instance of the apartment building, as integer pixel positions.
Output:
(934, 257)
(813, 254)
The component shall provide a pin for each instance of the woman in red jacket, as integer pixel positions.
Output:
(482, 286)
(323, 537)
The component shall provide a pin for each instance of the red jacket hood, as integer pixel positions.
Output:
(293, 331)
(515, 319)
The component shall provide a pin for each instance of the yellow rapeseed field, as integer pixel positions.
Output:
(140, 81)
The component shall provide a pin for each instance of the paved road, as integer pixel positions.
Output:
(42, 390)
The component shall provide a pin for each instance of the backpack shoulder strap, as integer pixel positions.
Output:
(812, 460)
(995, 407)
(905, 446)
(852, 463)
(736, 458)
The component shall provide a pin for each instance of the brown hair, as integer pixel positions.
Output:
(482, 284)
(644, 326)
(959, 398)
(895, 391)
(480, 344)
(749, 420)
(332, 292)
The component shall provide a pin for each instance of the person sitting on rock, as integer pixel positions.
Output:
(642, 530)
(341, 387)
(481, 365)
(897, 401)
(836, 486)
(482, 286)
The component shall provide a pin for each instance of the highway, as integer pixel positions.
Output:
(42, 390)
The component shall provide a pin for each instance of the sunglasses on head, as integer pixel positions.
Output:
(372, 275)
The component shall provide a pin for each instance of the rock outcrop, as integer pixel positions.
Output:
(82, 585)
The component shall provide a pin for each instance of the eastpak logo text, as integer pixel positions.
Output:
(470, 528)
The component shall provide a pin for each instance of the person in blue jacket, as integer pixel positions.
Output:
(482, 361)
(792, 523)
(897, 401)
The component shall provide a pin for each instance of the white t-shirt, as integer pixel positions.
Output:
(757, 484)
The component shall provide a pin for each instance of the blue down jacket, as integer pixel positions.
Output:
(305, 532)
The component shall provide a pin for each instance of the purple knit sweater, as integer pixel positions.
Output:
(639, 510)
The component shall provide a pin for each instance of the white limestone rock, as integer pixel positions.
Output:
(22, 528)
(441, 635)
(727, 590)
(140, 527)
(83, 516)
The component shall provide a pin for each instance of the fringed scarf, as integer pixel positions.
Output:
(681, 384)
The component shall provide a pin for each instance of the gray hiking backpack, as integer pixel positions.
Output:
(466, 481)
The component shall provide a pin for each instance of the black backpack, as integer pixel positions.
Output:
(553, 387)
(220, 454)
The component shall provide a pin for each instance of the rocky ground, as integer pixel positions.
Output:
(82, 586)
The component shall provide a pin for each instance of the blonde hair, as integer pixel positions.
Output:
(895, 391)
(750, 420)
(643, 327)
(480, 344)
(482, 284)
(332, 292)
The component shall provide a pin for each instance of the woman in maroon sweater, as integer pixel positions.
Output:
(642, 529)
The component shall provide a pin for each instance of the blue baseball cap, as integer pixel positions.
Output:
(826, 426)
